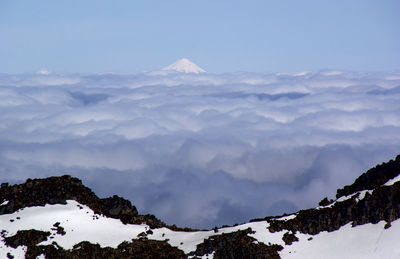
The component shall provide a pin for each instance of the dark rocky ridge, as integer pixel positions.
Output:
(57, 190)
(26, 237)
(382, 204)
(236, 245)
(373, 178)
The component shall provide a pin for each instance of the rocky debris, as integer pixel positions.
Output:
(117, 206)
(26, 237)
(3, 233)
(236, 245)
(136, 249)
(146, 249)
(289, 238)
(382, 204)
(59, 229)
(373, 178)
(57, 190)
(325, 202)
(149, 219)
(184, 229)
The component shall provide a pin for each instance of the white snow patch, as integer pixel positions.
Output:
(187, 241)
(285, 218)
(18, 252)
(362, 194)
(392, 181)
(206, 256)
(341, 199)
(4, 203)
(79, 222)
(262, 233)
(365, 241)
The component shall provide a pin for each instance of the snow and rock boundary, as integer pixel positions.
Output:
(59, 217)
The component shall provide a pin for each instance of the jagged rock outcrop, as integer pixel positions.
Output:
(373, 178)
(236, 245)
(289, 238)
(28, 238)
(57, 190)
(381, 203)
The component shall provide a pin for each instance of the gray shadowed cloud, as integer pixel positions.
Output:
(201, 150)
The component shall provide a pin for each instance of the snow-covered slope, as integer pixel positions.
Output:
(365, 241)
(363, 224)
(184, 66)
(80, 223)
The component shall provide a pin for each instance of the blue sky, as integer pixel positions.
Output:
(220, 36)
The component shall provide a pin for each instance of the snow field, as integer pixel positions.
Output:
(367, 241)
(81, 224)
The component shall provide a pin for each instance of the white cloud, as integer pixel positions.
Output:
(231, 146)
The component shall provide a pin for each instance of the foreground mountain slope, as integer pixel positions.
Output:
(58, 217)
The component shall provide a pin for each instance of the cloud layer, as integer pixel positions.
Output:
(201, 150)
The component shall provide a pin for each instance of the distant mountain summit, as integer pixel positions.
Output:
(184, 65)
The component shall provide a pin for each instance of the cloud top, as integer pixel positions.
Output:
(201, 149)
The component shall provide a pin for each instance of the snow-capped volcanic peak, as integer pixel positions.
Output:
(184, 65)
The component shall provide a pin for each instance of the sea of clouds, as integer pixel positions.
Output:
(201, 150)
